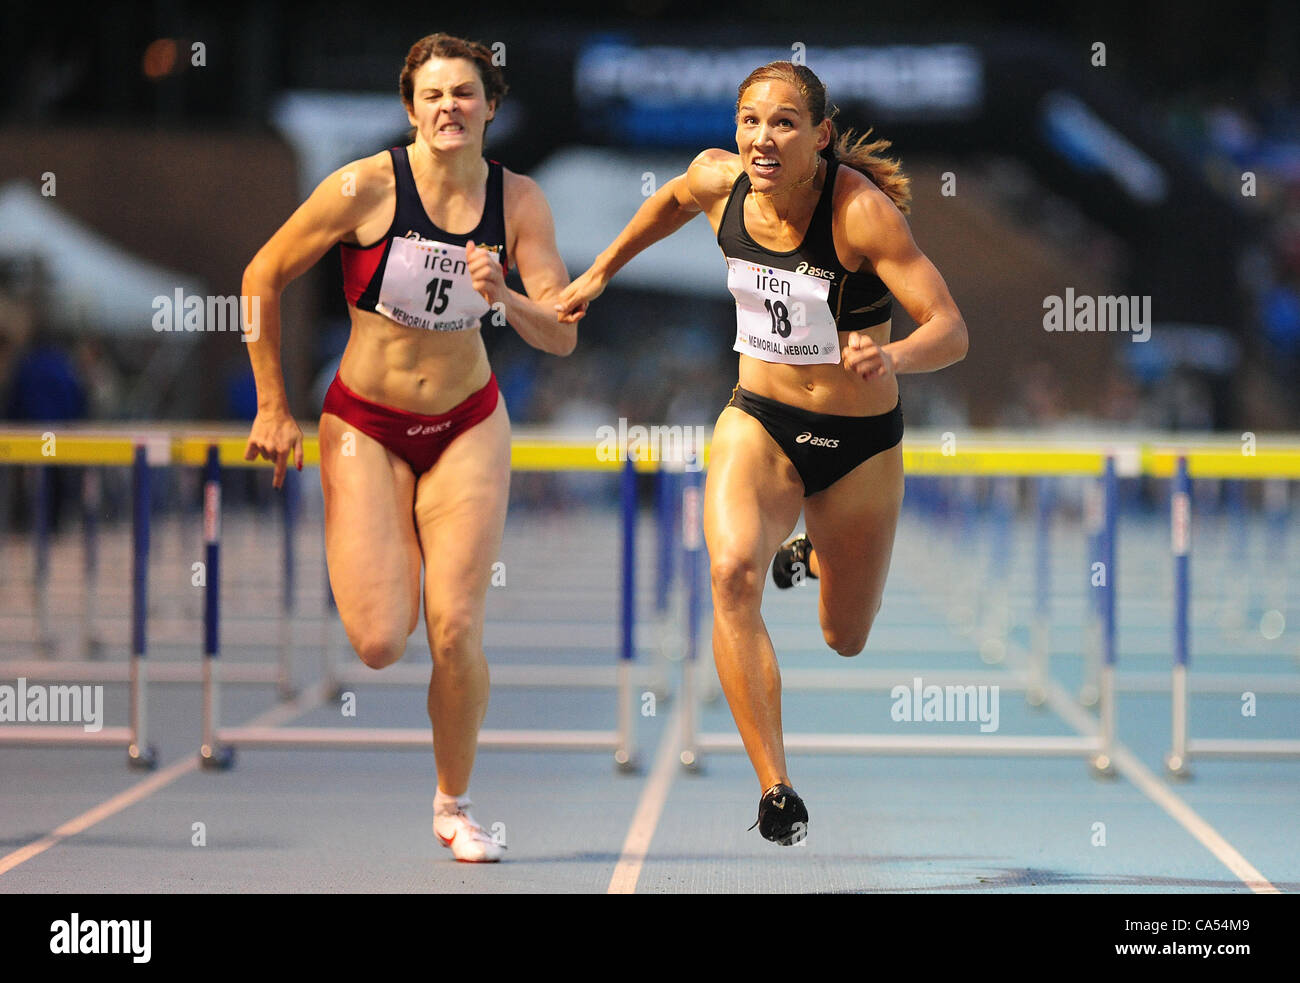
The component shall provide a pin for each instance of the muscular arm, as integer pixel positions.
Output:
(541, 269)
(334, 210)
(705, 182)
(878, 231)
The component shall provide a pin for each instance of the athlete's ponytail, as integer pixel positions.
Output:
(885, 172)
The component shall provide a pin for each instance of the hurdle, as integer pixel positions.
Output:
(1182, 465)
(94, 449)
(1102, 464)
(219, 744)
(141, 453)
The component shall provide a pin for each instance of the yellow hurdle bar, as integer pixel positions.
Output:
(1271, 456)
(1223, 462)
(1268, 457)
(82, 447)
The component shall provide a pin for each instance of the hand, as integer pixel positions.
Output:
(486, 273)
(275, 435)
(864, 357)
(573, 302)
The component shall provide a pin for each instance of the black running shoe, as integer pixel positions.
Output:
(782, 816)
(783, 569)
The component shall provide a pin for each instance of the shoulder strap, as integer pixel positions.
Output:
(402, 169)
(821, 223)
(731, 226)
(494, 207)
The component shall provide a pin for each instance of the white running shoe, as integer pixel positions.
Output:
(468, 841)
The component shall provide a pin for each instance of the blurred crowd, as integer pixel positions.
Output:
(1248, 146)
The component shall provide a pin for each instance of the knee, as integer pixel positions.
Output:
(849, 640)
(377, 649)
(453, 640)
(736, 581)
(845, 643)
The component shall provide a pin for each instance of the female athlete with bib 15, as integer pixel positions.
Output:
(414, 438)
(812, 229)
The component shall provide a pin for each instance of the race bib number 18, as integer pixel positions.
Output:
(782, 316)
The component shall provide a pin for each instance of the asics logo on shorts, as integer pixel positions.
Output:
(423, 430)
(807, 438)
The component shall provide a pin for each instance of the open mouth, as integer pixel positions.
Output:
(451, 128)
(766, 166)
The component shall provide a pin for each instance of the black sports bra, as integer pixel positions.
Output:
(856, 300)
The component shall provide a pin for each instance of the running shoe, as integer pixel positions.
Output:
(783, 564)
(782, 816)
(467, 840)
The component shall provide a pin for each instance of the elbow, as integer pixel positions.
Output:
(961, 340)
(258, 280)
(567, 342)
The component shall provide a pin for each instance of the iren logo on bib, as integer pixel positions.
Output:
(810, 440)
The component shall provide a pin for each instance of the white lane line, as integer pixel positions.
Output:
(648, 808)
(100, 812)
(1160, 793)
(1157, 791)
(143, 789)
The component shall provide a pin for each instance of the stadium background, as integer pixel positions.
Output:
(1170, 171)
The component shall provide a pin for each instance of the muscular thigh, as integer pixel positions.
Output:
(851, 525)
(752, 495)
(460, 513)
(370, 541)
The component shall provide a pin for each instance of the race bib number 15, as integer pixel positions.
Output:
(427, 285)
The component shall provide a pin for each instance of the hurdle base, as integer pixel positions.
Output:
(40, 735)
(523, 676)
(142, 758)
(918, 744)
(120, 672)
(220, 758)
(394, 738)
(1253, 748)
(1102, 765)
(1176, 766)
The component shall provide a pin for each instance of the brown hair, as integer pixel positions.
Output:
(449, 46)
(885, 172)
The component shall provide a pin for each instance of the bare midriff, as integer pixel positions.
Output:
(827, 388)
(411, 369)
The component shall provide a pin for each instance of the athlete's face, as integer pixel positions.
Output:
(450, 110)
(775, 136)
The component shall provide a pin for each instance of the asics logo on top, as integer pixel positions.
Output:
(807, 438)
(814, 271)
(419, 238)
(423, 430)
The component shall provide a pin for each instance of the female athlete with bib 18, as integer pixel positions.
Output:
(811, 226)
(414, 438)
